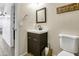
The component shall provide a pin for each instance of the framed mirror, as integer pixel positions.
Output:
(41, 15)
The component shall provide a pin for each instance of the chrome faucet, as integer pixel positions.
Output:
(39, 27)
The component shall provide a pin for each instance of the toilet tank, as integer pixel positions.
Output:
(69, 42)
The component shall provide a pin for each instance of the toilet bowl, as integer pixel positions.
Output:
(65, 53)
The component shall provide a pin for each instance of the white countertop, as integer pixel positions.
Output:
(37, 31)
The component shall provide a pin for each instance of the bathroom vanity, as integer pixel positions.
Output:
(37, 41)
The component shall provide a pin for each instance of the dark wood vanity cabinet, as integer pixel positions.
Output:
(36, 43)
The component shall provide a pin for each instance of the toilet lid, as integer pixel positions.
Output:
(65, 53)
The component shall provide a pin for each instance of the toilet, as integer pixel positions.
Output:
(69, 44)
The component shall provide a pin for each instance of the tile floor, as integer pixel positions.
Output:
(5, 50)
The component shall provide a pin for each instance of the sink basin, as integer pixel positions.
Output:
(37, 31)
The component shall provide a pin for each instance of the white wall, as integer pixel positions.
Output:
(56, 23)
(5, 7)
(21, 35)
(1, 18)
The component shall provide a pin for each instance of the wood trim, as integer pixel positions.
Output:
(68, 8)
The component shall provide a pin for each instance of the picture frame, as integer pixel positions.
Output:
(41, 15)
(68, 8)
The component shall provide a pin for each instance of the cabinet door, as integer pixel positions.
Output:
(33, 44)
(36, 47)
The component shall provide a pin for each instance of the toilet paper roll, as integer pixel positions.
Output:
(46, 50)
